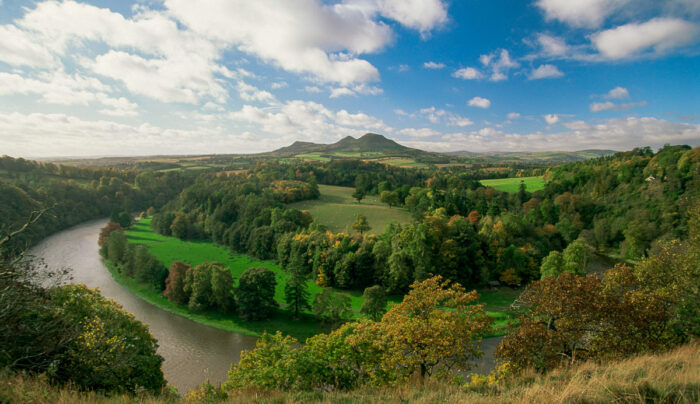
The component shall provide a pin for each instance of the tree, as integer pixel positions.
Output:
(552, 265)
(332, 308)
(575, 257)
(361, 224)
(374, 304)
(391, 198)
(175, 283)
(435, 329)
(199, 279)
(106, 231)
(113, 351)
(115, 247)
(255, 295)
(296, 292)
(359, 195)
(222, 286)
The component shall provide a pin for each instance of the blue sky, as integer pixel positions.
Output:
(94, 78)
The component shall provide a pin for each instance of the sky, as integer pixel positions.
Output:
(146, 77)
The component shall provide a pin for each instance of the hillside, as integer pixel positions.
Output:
(669, 377)
(369, 143)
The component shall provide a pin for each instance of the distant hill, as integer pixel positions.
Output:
(369, 143)
(547, 156)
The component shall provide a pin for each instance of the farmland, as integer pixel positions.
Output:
(336, 209)
(512, 185)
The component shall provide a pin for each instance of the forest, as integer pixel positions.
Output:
(415, 313)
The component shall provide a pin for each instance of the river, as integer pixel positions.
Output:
(193, 352)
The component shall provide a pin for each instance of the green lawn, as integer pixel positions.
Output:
(170, 249)
(336, 209)
(313, 156)
(512, 185)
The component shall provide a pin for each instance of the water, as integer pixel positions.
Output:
(193, 352)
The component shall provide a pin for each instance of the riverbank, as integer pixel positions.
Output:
(169, 249)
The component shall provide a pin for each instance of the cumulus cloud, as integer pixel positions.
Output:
(307, 120)
(580, 13)
(617, 93)
(419, 133)
(551, 119)
(479, 102)
(433, 65)
(545, 72)
(654, 37)
(609, 105)
(616, 134)
(499, 63)
(468, 73)
(513, 115)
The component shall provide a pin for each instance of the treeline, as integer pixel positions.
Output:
(630, 202)
(72, 195)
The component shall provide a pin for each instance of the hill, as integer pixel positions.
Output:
(369, 143)
(545, 156)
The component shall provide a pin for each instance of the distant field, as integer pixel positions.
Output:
(336, 209)
(404, 162)
(313, 156)
(512, 185)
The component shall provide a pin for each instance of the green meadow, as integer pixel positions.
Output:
(336, 209)
(170, 249)
(512, 185)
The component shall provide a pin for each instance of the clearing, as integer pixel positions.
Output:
(512, 185)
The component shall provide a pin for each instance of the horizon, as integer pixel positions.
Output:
(168, 77)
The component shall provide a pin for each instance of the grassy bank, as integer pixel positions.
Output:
(336, 209)
(170, 249)
(512, 185)
(663, 378)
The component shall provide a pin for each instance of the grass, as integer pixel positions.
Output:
(671, 377)
(170, 249)
(336, 209)
(313, 156)
(512, 185)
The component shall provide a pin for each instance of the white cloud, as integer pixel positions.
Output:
(63, 89)
(456, 120)
(252, 93)
(654, 37)
(19, 48)
(433, 114)
(278, 85)
(418, 133)
(73, 136)
(499, 63)
(468, 73)
(545, 72)
(617, 93)
(552, 46)
(479, 102)
(313, 89)
(421, 15)
(513, 115)
(306, 120)
(616, 134)
(299, 36)
(433, 65)
(399, 111)
(608, 105)
(340, 92)
(580, 13)
(551, 119)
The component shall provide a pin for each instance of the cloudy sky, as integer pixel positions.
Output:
(89, 78)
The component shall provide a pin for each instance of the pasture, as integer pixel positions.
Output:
(170, 249)
(512, 185)
(336, 209)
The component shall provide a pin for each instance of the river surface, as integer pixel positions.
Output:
(193, 352)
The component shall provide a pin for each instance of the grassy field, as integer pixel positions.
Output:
(336, 209)
(170, 249)
(512, 185)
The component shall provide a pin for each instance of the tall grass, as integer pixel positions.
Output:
(672, 377)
